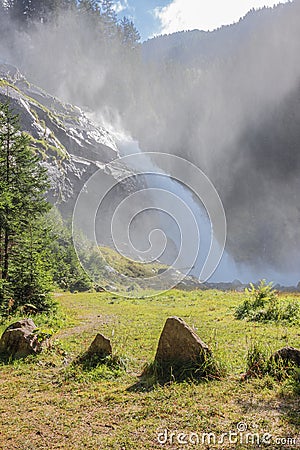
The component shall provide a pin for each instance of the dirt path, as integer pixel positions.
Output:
(91, 323)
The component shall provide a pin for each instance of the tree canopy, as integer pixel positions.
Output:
(26, 12)
(23, 183)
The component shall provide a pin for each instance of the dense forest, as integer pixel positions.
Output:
(80, 371)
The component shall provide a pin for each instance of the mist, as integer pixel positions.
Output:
(227, 101)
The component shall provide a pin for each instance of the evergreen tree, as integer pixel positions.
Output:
(26, 11)
(23, 183)
(66, 270)
(130, 34)
(90, 6)
(109, 18)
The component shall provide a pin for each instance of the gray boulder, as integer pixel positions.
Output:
(289, 355)
(100, 347)
(19, 340)
(179, 344)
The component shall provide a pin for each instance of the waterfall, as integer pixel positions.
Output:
(227, 270)
(156, 224)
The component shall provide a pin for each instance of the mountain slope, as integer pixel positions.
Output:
(71, 147)
(198, 48)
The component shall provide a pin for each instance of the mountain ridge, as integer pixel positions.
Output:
(182, 46)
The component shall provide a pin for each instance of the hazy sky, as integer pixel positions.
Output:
(166, 16)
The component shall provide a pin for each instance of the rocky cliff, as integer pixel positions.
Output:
(70, 145)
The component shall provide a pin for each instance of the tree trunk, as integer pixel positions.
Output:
(6, 255)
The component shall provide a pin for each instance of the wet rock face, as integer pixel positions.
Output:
(70, 145)
(19, 340)
(72, 149)
(11, 73)
(179, 344)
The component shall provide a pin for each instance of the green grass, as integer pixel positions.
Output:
(128, 267)
(51, 402)
(263, 304)
(138, 274)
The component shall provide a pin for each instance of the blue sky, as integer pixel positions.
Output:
(143, 14)
(154, 17)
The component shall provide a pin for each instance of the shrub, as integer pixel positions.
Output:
(261, 362)
(256, 361)
(264, 305)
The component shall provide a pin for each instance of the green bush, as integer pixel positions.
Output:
(263, 304)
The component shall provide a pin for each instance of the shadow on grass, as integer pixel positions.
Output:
(11, 360)
(167, 372)
(275, 370)
(94, 367)
(286, 403)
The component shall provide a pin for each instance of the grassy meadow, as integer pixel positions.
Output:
(48, 402)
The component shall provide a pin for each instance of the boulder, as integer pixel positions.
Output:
(289, 355)
(179, 344)
(99, 288)
(100, 347)
(282, 359)
(19, 340)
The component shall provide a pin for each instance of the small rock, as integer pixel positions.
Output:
(19, 339)
(100, 347)
(289, 355)
(99, 288)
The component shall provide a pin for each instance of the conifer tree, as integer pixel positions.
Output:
(130, 34)
(23, 183)
(26, 11)
(109, 18)
(107, 10)
(90, 6)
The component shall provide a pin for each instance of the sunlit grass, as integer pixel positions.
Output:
(48, 402)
